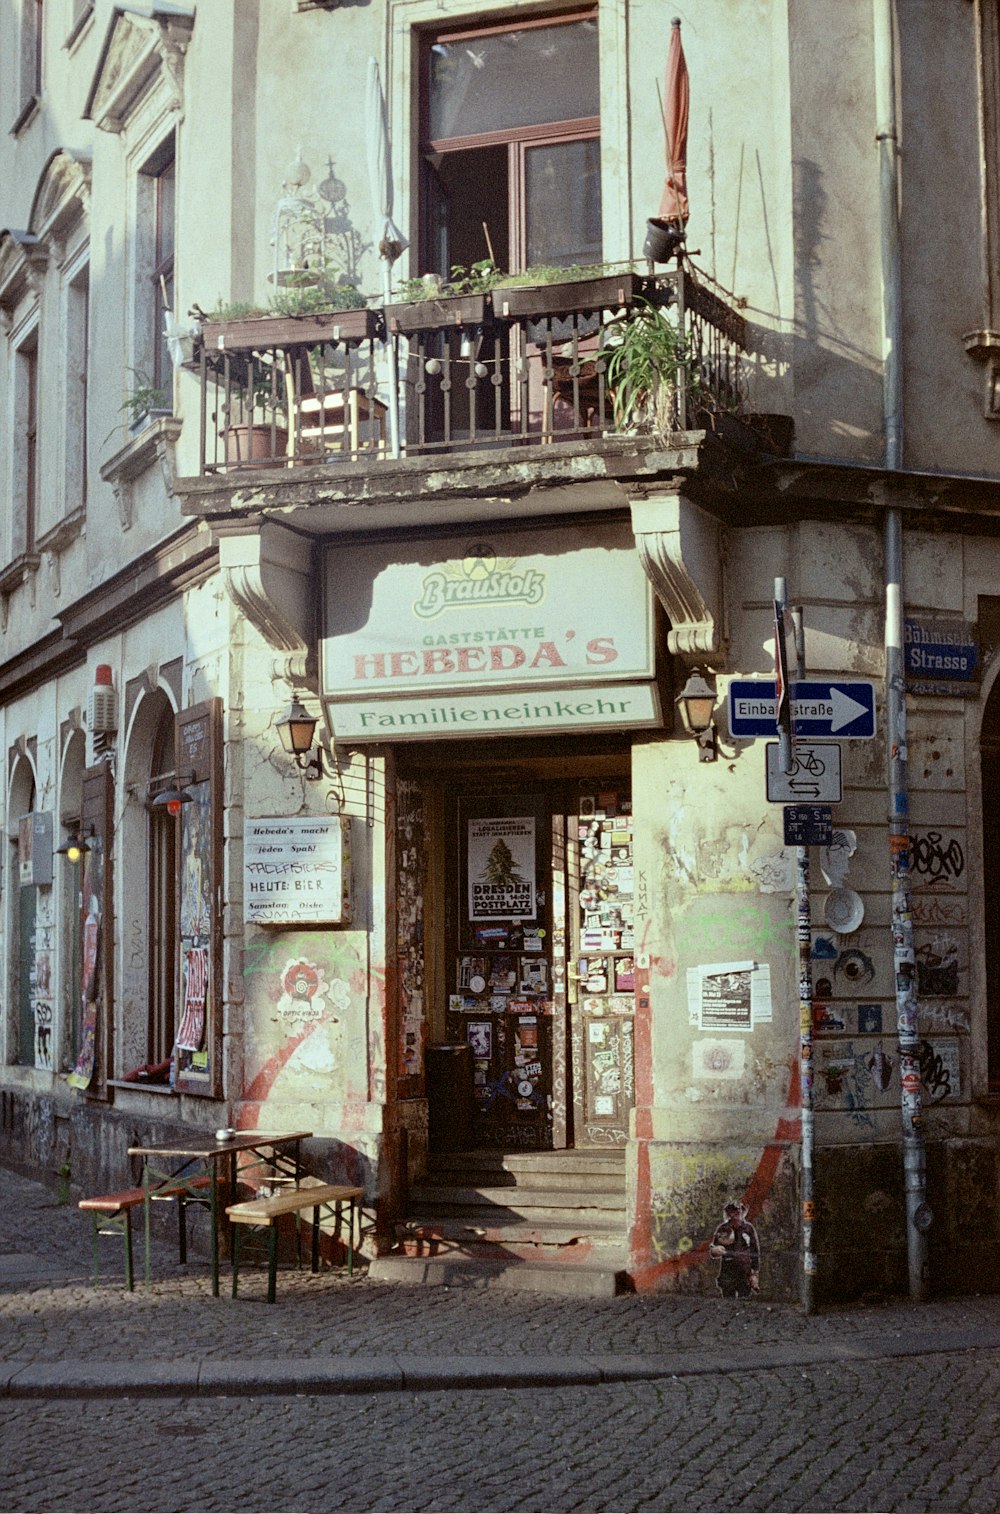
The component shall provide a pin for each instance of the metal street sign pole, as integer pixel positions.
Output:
(804, 934)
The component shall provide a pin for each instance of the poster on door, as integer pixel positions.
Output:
(502, 868)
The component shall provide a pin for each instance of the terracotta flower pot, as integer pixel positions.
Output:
(256, 446)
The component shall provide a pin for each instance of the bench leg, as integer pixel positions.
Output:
(272, 1261)
(235, 1257)
(129, 1270)
(350, 1238)
(315, 1239)
(182, 1230)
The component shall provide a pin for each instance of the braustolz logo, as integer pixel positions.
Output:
(480, 578)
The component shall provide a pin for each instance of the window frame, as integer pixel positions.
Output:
(516, 139)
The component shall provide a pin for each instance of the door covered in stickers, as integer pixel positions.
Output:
(540, 962)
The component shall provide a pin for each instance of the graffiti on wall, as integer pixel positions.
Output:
(937, 859)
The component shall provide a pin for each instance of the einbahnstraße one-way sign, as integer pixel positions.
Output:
(821, 707)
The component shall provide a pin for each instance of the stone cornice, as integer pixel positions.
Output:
(151, 580)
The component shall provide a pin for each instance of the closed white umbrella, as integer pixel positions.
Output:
(389, 238)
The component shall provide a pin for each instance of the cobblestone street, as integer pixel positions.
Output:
(168, 1399)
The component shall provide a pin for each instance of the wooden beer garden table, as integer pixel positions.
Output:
(181, 1170)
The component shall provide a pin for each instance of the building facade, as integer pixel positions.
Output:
(253, 460)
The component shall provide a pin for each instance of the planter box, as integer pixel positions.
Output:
(444, 312)
(610, 292)
(258, 333)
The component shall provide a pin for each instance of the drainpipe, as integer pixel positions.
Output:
(918, 1215)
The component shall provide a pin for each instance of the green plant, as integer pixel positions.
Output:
(551, 273)
(293, 299)
(144, 397)
(476, 279)
(235, 310)
(647, 357)
(307, 299)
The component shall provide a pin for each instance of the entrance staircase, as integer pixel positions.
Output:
(553, 1221)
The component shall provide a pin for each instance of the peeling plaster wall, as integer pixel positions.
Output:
(718, 1115)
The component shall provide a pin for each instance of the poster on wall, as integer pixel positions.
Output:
(502, 868)
(729, 995)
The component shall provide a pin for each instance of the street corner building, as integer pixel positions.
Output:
(500, 607)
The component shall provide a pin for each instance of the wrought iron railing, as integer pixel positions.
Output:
(517, 366)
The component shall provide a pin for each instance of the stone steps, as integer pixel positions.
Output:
(550, 1221)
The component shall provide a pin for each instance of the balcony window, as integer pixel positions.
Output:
(512, 146)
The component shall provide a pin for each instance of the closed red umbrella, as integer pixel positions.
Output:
(676, 110)
(666, 230)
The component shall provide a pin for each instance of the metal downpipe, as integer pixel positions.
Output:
(918, 1216)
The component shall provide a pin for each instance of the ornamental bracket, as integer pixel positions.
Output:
(680, 547)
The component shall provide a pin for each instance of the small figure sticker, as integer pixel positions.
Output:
(737, 1247)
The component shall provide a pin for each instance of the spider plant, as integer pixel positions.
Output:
(647, 362)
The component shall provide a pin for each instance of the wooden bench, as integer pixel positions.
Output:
(263, 1211)
(111, 1214)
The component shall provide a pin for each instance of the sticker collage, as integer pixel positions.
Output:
(606, 962)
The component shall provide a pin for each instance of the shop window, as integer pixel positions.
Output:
(198, 1037)
(511, 145)
(162, 897)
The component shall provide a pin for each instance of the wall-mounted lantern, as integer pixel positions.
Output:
(75, 846)
(175, 797)
(297, 730)
(696, 702)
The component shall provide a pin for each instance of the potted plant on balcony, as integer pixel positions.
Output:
(572, 290)
(296, 316)
(648, 366)
(258, 437)
(432, 304)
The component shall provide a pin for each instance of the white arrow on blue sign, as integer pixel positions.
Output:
(820, 707)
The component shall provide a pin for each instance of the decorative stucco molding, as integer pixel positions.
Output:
(679, 547)
(267, 571)
(62, 196)
(155, 444)
(984, 346)
(140, 43)
(23, 262)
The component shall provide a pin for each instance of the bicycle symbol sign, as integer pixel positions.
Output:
(815, 776)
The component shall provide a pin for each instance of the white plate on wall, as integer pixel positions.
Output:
(843, 910)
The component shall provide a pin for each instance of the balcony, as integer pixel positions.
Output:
(543, 366)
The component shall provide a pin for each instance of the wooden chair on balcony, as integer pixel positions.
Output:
(325, 420)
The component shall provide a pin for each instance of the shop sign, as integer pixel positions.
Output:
(296, 870)
(564, 610)
(941, 656)
(546, 710)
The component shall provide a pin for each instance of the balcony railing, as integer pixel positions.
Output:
(518, 366)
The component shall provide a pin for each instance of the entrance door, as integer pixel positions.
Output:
(540, 961)
(602, 974)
